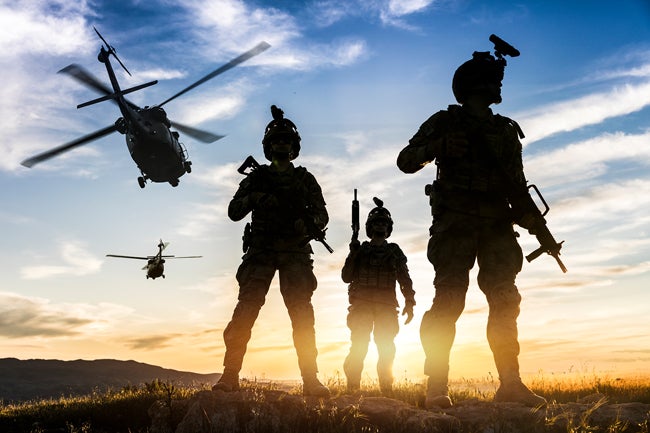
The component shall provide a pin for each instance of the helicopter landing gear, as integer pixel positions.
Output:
(174, 183)
(141, 181)
(188, 166)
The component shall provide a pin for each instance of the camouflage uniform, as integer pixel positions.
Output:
(372, 271)
(276, 243)
(471, 222)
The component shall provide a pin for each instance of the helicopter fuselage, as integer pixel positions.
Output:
(153, 146)
(155, 268)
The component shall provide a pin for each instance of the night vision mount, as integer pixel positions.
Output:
(502, 48)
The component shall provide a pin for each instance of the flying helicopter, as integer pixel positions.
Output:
(154, 147)
(155, 264)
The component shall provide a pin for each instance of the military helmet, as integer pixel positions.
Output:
(476, 74)
(378, 213)
(280, 126)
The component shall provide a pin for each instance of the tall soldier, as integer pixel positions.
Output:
(285, 201)
(479, 158)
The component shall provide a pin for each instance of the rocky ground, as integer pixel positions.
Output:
(278, 411)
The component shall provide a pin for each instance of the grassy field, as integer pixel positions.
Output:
(125, 410)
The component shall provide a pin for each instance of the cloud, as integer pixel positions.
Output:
(570, 115)
(43, 27)
(78, 262)
(588, 159)
(23, 316)
(152, 342)
(35, 317)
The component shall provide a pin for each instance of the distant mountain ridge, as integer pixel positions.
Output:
(30, 379)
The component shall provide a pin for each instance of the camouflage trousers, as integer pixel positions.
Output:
(457, 241)
(366, 318)
(297, 284)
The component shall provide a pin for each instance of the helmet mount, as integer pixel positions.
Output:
(484, 72)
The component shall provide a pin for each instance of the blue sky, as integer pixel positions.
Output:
(358, 78)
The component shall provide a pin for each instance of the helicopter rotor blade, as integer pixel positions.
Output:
(86, 78)
(259, 48)
(30, 162)
(203, 136)
(127, 257)
(185, 257)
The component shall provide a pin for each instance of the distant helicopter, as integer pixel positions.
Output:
(153, 146)
(155, 264)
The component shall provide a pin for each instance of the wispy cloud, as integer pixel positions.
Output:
(583, 111)
(77, 261)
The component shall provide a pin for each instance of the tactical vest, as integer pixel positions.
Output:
(473, 184)
(291, 192)
(376, 267)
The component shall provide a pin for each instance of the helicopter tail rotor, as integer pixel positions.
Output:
(111, 50)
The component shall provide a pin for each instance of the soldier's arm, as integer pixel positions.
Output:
(317, 202)
(423, 148)
(403, 275)
(242, 202)
(348, 271)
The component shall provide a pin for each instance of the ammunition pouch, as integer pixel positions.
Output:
(432, 190)
(246, 238)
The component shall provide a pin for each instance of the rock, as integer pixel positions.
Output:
(253, 409)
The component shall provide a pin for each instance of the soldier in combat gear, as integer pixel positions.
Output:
(474, 150)
(284, 200)
(371, 269)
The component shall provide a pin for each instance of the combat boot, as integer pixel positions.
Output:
(228, 382)
(353, 385)
(515, 391)
(437, 395)
(311, 387)
(386, 386)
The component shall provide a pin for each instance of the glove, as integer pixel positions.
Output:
(408, 312)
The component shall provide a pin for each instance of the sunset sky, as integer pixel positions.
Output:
(357, 77)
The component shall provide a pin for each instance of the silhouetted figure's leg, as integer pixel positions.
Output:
(500, 259)
(297, 285)
(386, 329)
(360, 322)
(254, 279)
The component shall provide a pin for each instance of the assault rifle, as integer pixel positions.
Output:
(523, 203)
(355, 218)
(249, 166)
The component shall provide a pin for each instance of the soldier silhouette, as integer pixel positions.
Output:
(286, 202)
(479, 157)
(372, 269)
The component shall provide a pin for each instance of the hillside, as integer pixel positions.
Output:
(44, 378)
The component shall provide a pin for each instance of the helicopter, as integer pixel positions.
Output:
(153, 146)
(155, 264)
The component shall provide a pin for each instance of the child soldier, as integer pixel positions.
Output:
(371, 269)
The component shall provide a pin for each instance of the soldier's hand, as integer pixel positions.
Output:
(528, 221)
(300, 227)
(355, 245)
(456, 144)
(408, 312)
